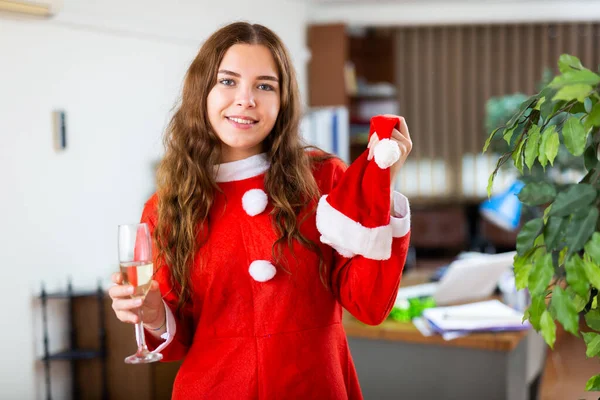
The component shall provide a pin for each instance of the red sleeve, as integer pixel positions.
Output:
(366, 287)
(182, 340)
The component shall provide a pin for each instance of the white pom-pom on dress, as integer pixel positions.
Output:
(262, 270)
(386, 153)
(254, 201)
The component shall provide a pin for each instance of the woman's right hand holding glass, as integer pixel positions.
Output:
(126, 307)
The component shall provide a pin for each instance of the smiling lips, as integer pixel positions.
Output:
(241, 122)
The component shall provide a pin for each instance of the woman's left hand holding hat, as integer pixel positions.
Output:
(402, 138)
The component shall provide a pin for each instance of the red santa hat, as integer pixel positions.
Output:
(354, 218)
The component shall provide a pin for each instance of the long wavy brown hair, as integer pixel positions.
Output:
(186, 177)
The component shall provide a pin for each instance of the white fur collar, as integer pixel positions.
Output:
(242, 169)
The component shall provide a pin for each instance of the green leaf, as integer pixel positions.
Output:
(553, 232)
(508, 135)
(575, 136)
(546, 134)
(593, 118)
(565, 310)
(536, 309)
(590, 160)
(587, 105)
(538, 104)
(528, 234)
(539, 241)
(576, 277)
(584, 76)
(593, 384)
(547, 108)
(562, 256)
(517, 155)
(551, 147)
(567, 62)
(576, 197)
(578, 91)
(536, 193)
(578, 302)
(522, 107)
(533, 145)
(592, 247)
(547, 213)
(522, 276)
(490, 137)
(592, 319)
(592, 272)
(548, 328)
(592, 340)
(540, 274)
(490, 184)
(580, 228)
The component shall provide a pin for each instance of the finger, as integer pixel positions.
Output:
(403, 139)
(153, 286)
(117, 278)
(128, 316)
(154, 296)
(396, 135)
(403, 149)
(404, 128)
(372, 143)
(119, 291)
(372, 139)
(126, 304)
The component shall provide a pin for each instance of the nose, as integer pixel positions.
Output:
(245, 98)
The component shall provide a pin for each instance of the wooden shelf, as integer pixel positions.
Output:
(75, 354)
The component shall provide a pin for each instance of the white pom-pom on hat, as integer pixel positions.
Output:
(262, 270)
(386, 153)
(254, 201)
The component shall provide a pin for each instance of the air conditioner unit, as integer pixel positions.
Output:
(42, 8)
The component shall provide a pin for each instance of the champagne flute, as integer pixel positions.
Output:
(135, 262)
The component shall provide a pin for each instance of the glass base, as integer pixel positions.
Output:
(143, 358)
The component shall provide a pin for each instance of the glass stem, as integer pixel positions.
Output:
(139, 334)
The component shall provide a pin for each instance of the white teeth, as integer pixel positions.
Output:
(241, 121)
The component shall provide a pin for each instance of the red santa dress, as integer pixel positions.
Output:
(253, 330)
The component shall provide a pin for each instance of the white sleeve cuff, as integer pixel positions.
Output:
(171, 329)
(400, 218)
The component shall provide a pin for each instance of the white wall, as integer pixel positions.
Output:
(416, 12)
(117, 70)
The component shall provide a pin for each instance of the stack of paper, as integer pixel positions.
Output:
(491, 315)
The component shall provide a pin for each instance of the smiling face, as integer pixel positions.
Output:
(244, 103)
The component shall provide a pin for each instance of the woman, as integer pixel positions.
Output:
(248, 291)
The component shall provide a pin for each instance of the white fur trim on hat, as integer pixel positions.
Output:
(386, 153)
(262, 270)
(351, 236)
(254, 201)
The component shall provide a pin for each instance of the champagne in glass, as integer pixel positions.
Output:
(135, 261)
(139, 275)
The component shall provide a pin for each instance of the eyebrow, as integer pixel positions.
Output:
(260, 78)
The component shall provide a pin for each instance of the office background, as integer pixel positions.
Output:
(116, 68)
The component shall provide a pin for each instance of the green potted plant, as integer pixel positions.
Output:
(558, 253)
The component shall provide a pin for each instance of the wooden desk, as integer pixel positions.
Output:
(407, 332)
(395, 361)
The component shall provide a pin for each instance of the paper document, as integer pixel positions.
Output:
(492, 315)
(422, 290)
